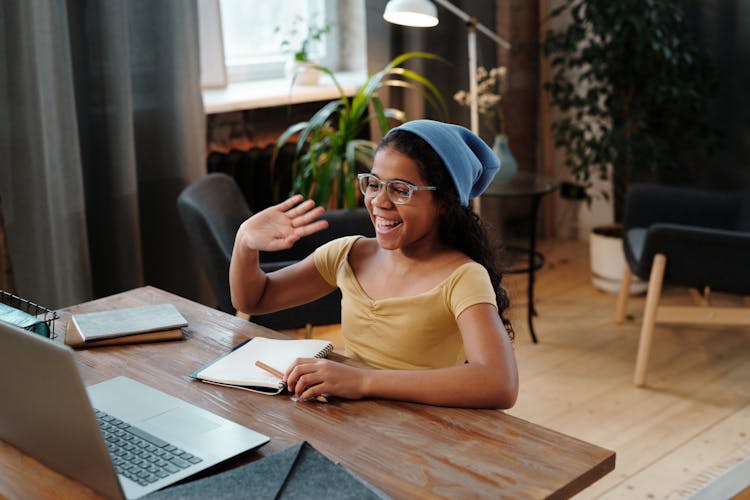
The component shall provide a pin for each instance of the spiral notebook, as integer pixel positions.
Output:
(237, 367)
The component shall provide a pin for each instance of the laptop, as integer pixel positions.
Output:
(147, 439)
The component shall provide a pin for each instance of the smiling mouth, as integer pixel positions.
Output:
(385, 225)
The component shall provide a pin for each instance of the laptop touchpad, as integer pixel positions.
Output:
(181, 422)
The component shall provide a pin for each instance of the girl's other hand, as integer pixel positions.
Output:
(308, 378)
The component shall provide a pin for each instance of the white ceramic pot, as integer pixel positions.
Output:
(305, 71)
(608, 261)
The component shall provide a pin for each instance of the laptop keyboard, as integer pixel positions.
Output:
(138, 455)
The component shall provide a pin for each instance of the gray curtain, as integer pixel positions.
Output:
(102, 125)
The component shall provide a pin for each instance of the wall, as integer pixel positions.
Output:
(518, 22)
(723, 26)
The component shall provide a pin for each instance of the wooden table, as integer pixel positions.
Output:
(407, 450)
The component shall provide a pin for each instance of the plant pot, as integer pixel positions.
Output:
(303, 72)
(608, 260)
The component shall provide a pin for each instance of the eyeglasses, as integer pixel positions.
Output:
(399, 192)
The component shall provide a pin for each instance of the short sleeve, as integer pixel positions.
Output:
(329, 257)
(469, 286)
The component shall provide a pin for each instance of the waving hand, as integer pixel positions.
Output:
(280, 226)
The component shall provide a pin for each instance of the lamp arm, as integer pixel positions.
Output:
(472, 20)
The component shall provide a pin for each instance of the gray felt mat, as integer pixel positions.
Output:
(299, 472)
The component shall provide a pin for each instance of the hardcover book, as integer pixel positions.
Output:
(124, 322)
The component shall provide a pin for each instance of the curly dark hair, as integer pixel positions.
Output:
(460, 227)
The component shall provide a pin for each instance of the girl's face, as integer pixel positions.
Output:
(407, 226)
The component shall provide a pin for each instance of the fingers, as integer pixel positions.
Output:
(296, 370)
(289, 202)
(299, 213)
(293, 208)
(318, 225)
(312, 392)
(305, 379)
(309, 378)
(303, 216)
(302, 208)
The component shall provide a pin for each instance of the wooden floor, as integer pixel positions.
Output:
(688, 428)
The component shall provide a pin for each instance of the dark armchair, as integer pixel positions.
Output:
(212, 209)
(689, 238)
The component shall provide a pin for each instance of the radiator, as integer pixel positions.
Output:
(251, 168)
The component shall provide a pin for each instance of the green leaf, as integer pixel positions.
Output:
(329, 146)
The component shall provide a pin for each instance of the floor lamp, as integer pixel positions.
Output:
(423, 13)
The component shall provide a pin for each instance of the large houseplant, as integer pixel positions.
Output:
(330, 149)
(631, 86)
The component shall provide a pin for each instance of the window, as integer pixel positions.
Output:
(242, 62)
(252, 43)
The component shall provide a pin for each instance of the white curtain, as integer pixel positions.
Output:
(101, 126)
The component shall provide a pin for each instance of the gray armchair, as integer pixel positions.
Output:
(212, 209)
(689, 238)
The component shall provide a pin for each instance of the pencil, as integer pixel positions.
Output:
(270, 369)
(273, 371)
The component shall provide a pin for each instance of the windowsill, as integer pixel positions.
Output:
(269, 93)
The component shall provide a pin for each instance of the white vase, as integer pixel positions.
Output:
(303, 72)
(508, 165)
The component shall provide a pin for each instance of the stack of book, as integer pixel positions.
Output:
(125, 326)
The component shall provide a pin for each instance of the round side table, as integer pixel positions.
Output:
(535, 187)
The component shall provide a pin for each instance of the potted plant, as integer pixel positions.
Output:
(631, 86)
(298, 42)
(331, 149)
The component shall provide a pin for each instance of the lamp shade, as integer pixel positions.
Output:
(420, 13)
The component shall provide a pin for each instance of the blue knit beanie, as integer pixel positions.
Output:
(470, 162)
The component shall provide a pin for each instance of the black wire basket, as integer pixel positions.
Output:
(46, 325)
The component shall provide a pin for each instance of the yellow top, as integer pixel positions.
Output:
(403, 332)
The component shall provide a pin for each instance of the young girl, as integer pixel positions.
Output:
(422, 303)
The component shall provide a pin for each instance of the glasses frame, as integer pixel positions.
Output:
(388, 185)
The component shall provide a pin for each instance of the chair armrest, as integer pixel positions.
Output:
(698, 257)
(647, 204)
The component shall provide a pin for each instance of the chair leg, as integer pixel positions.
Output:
(649, 318)
(622, 297)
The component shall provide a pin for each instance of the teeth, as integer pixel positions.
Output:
(387, 223)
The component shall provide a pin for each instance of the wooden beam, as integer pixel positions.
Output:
(703, 315)
(547, 148)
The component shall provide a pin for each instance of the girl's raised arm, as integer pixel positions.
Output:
(275, 228)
